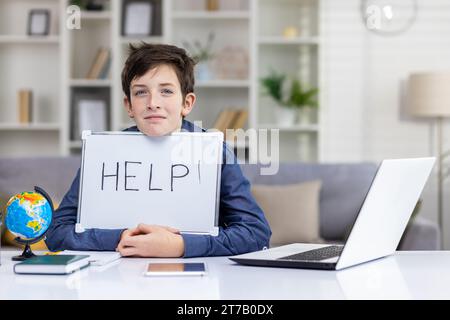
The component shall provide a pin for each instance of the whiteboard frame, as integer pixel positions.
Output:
(219, 135)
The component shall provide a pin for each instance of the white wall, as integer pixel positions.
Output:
(364, 79)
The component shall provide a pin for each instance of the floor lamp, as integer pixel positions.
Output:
(429, 96)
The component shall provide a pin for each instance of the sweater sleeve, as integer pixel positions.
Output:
(242, 225)
(61, 234)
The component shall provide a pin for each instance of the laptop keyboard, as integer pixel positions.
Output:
(315, 254)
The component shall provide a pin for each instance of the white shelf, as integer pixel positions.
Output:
(295, 57)
(130, 39)
(96, 15)
(298, 127)
(90, 82)
(24, 39)
(253, 26)
(223, 84)
(194, 15)
(278, 40)
(29, 127)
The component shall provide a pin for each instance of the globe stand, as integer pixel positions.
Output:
(27, 253)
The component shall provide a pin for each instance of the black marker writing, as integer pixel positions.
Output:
(150, 180)
(172, 176)
(127, 176)
(132, 175)
(110, 175)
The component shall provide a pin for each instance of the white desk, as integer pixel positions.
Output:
(405, 275)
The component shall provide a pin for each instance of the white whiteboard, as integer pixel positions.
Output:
(129, 178)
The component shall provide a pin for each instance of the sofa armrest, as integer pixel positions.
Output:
(421, 234)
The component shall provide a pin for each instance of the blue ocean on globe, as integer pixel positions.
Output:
(28, 215)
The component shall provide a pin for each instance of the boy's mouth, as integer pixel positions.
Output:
(154, 117)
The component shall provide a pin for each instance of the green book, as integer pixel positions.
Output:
(52, 264)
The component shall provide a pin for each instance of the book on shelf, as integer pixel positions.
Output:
(224, 120)
(100, 66)
(240, 119)
(52, 264)
(238, 123)
(25, 105)
(104, 73)
(231, 119)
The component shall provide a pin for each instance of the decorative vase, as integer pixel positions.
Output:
(203, 71)
(306, 115)
(285, 116)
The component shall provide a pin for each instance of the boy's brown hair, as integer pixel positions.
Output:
(146, 56)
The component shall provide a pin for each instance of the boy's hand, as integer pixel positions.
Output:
(129, 233)
(151, 241)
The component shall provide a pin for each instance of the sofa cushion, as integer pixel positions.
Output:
(53, 174)
(344, 187)
(291, 210)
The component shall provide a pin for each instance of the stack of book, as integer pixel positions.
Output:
(100, 66)
(231, 119)
(25, 105)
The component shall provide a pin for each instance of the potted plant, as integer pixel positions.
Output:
(290, 99)
(202, 55)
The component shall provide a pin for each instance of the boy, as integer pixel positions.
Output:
(158, 84)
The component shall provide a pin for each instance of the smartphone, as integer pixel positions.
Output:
(175, 269)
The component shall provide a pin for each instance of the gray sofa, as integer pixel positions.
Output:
(343, 189)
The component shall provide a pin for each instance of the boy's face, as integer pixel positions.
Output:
(157, 104)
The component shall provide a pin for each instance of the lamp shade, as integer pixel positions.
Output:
(429, 94)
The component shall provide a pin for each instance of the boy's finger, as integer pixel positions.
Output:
(174, 230)
(130, 241)
(128, 251)
(134, 231)
(149, 228)
(120, 246)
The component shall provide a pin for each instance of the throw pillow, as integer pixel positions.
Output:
(291, 210)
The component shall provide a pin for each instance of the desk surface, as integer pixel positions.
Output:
(405, 275)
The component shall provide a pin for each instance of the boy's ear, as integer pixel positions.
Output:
(189, 102)
(127, 105)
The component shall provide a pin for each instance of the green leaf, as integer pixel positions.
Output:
(273, 85)
(297, 97)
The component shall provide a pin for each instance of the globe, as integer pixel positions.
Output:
(28, 215)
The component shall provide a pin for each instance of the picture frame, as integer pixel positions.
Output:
(137, 18)
(38, 22)
(89, 111)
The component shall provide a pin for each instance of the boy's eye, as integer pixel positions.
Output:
(166, 91)
(140, 92)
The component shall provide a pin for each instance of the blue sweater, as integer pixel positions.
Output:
(242, 225)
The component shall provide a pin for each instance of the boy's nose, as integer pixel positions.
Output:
(152, 106)
(152, 102)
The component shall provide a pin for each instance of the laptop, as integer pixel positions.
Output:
(376, 231)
